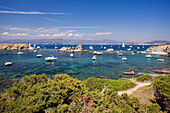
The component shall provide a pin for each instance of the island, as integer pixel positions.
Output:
(15, 46)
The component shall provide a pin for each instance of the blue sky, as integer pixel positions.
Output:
(123, 20)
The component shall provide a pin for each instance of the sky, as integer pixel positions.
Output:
(121, 20)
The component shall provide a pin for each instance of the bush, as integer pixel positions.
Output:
(39, 94)
(145, 78)
(116, 85)
(162, 91)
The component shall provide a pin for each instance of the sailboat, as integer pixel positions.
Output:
(123, 45)
(71, 55)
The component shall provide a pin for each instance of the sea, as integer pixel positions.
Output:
(108, 65)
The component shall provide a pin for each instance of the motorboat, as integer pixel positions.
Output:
(35, 51)
(38, 47)
(51, 58)
(129, 73)
(133, 53)
(104, 47)
(120, 54)
(129, 49)
(8, 63)
(71, 55)
(130, 46)
(148, 56)
(98, 53)
(39, 55)
(94, 57)
(138, 47)
(124, 59)
(20, 53)
(160, 59)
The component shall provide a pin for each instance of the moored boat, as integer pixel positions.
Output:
(8, 63)
(51, 58)
(124, 59)
(160, 59)
(148, 56)
(98, 53)
(20, 53)
(71, 55)
(39, 55)
(129, 73)
(120, 54)
(94, 57)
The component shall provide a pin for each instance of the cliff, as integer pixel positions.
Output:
(161, 49)
(15, 46)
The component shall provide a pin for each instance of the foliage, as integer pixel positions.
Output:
(97, 84)
(145, 77)
(162, 91)
(37, 93)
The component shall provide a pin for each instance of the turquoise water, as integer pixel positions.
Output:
(81, 66)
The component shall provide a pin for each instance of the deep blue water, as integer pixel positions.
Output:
(81, 66)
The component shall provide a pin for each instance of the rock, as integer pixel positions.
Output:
(163, 71)
(79, 47)
(160, 50)
(15, 46)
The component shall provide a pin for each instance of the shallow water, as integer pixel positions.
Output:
(81, 66)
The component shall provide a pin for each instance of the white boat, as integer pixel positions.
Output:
(20, 53)
(124, 59)
(110, 50)
(143, 46)
(138, 47)
(8, 63)
(148, 56)
(35, 51)
(130, 46)
(38, 47)
(133, 53)
(120, 54)
(94, 57)
(56, 47)
(91, 47)
(34, 45)
(39, 55)
(71, 55)
(123, 45)
(129, 49)
(98, 53)
(51, 58)
(160, 59)
(104, 47)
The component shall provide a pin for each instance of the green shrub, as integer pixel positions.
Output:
(116, 85)
(162, 91)
(145, 78)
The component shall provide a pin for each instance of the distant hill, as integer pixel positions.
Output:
(158, 42)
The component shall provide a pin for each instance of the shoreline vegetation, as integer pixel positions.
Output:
(62, 93)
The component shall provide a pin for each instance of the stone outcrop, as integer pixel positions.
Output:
(15, 46)
(161, 49)
(74, 49)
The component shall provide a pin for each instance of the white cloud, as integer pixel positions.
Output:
(5, 33)
(78, 35)
(78, 27)
(17, 28)
(21, 34)
(70, 34)
(56, 35)
(43, 35)
(31, 13)
(104, 33)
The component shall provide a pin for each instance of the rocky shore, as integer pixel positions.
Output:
(15, 46)
(160, 50)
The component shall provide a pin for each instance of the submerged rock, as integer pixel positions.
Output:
(163, 71)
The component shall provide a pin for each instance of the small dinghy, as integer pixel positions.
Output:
(8, 63)
(148, 56)
(161, 60)
(129, 73)
(20, 53)
(51, 58)
(120, 54)
(94, 57)
(98, 53)
(39, 55)
(124, 59)
(71, 55)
